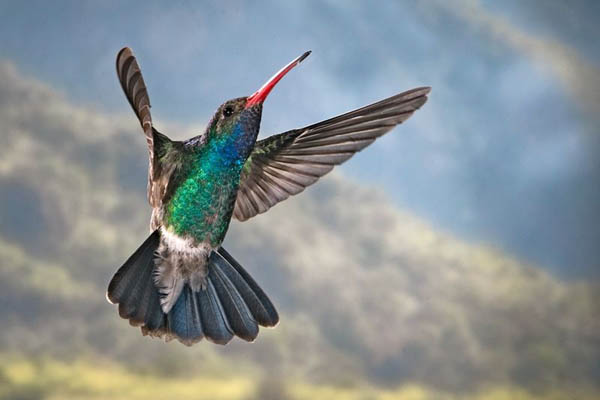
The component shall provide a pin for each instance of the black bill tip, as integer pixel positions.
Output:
(303, 56)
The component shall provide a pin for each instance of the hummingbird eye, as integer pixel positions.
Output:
(228, 111)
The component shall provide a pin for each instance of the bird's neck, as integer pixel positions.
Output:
(231, 149)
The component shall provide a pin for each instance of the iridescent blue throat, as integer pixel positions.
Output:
(202, 204)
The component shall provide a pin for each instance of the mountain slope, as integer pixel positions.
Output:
(365, 291)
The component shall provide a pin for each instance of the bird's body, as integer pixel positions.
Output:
(194, 218)
(181, 283)
(202, 203)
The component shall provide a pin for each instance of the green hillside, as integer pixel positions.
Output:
(374, 303)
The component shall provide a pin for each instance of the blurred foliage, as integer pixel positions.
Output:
(45, 378)
(374, 303)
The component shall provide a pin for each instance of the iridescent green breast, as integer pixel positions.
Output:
(203, 202)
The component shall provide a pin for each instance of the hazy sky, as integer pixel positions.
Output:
(506, 152)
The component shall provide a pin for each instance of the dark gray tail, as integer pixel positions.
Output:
(232, 303)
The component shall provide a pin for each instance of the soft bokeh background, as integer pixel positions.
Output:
(457, 257)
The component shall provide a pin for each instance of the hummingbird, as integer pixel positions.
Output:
(181, 283)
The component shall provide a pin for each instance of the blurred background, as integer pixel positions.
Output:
(456, 258)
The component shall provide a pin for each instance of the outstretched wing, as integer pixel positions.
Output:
(283, 165)
(159, 145)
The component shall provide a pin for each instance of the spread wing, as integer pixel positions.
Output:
(159, 145)
(283, 165)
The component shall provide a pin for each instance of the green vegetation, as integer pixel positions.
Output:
(374, 303)
(23, 379)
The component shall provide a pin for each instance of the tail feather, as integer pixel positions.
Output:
(183, 321)
(144, 303)
(263, 310)
(129, 287)
(230, 304)
(154, 318)
(238, 315)
(216, 328)
(131, 303)
(126, 278)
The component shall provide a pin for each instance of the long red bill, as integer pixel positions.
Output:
(262, 93)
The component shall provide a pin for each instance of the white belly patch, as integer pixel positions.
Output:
(179, 261)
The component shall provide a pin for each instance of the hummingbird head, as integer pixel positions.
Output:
(239, 119)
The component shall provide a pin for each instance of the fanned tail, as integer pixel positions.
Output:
(230, 304)
(132, 288)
